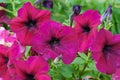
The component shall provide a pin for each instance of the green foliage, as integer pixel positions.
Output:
(72, 71)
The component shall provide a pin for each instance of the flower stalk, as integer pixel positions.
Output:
(7, 10)
(86, 64)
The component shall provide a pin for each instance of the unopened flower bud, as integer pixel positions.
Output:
(45, 3)
(48, 4)
(76, 11)
(107, 14)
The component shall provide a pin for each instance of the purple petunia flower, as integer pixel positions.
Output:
(106, 51)
(55, 40)
(34, 68)
(116, 75)
(86, 27)
(3, 60)
(6, 38)
(28, 22)
(7, 57)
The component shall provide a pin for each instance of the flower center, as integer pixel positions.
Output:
(30, 23)
(6, 59)
(54, 41)
(30, 77)
(106, 48)
(86, 28)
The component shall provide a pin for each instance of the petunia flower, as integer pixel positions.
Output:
(3, 60)
(106, 51)
(7, 57)
(34, 68)
(28, 21)
(116, 75)
(7, 38)
(55, 40)
(86, 27)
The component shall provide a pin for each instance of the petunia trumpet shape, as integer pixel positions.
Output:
(28, 21)
(86, 26)
(55, 40)
(106, 51)
(34, 68)
(7, 57)
(3, 60)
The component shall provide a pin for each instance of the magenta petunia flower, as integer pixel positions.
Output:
(86, 27)
(28, 21)
(106, 51)
(7, 38)
(34, 68)
(55, 40)
(7, 57)
(3, 60)
(116, 75)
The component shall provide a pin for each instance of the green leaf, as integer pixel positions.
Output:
(55, 75)
(105, 77)
(91, 73)
(27, 50)
(92, 66)
(83, 55)
(66, 71)
(78, 60)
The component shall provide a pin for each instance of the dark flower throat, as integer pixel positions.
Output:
(86, 28)
(54, 41)
(30, 77)
(106, 48)
(6, 59)
(31, 23)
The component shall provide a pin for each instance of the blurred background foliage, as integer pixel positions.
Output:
(61, 12)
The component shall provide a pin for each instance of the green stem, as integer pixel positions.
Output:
(98, 77)
(81, 56)
(27, 53)
(85, 66)
(7, 10)
(13, 6)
